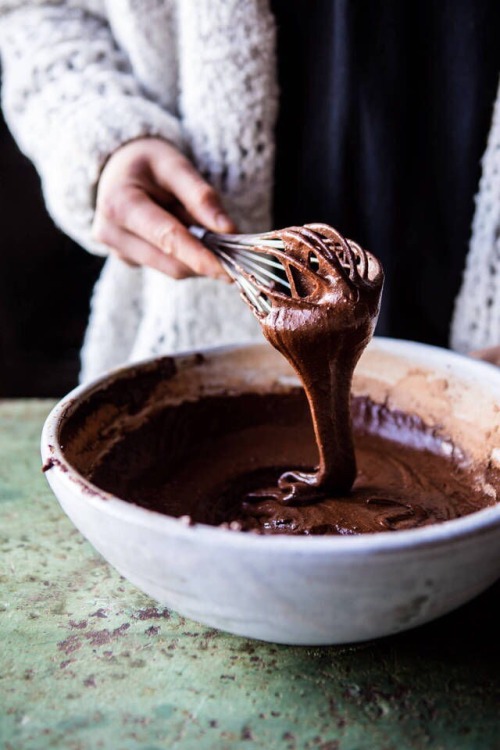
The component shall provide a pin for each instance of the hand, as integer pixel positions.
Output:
(492, 355)
(147, 194)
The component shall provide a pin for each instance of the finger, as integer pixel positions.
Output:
(177, 209)
(491, 354)
(135, 251)
(171, 205)
(200, 199)
(137, 213)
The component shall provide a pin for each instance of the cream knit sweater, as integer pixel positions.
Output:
(82, 77)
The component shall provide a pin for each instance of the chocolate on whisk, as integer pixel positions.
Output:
(317, 297)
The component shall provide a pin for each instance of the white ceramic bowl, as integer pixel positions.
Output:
(296, 590)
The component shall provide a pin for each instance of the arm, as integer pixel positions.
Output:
(71, 101)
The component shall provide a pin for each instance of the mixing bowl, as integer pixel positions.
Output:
(295, 590)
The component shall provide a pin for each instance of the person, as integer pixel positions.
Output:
(144, 117)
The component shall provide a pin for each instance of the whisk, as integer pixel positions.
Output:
(290, 263)
(249, 260)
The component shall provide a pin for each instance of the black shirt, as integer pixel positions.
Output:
(384, 115)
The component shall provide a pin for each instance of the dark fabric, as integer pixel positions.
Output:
(45, 285)
(384, 116)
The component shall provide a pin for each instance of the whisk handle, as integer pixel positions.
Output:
(198, 232)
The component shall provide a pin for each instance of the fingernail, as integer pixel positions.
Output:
(222, 222)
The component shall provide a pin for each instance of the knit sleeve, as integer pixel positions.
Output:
(70, 99)
(476, 318)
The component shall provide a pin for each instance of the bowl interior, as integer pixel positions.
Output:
(128, 432)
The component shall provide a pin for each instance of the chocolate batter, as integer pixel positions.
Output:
(322, 329)
(202, 459)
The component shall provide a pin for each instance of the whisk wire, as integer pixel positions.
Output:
(263, 272)
(252, 292)
(245, 265)
(265, 260)
(249, 240)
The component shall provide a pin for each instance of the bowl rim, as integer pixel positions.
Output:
(59, 470)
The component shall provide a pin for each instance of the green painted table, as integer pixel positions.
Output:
(89, 662)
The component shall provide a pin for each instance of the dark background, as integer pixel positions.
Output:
(45, 286)
(385, 110)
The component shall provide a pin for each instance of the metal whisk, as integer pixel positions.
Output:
(248, 258)
(296, 262)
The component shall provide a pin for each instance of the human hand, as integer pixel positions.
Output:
(147, 195)
(491, 355)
